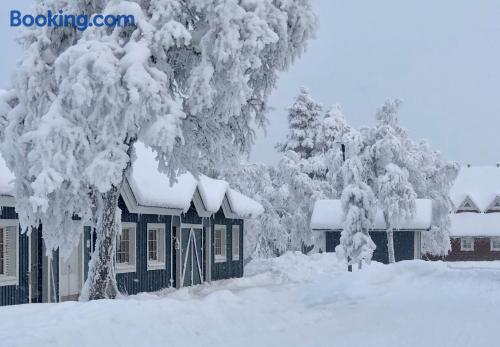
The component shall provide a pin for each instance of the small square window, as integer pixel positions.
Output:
(125, 249)
(467, 244)
(495, 244)
(220, 243)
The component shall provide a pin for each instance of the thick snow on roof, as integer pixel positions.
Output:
(152, 188)
(327, 214)
(212, 192)
(480, 183)
(6, 179)
(475, 224)
(243, 206)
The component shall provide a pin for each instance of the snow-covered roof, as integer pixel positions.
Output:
(327, 215)
(475, 224)
(6, 179)
(212, 192)
(480, 183)
(152, 188)
(243, 206)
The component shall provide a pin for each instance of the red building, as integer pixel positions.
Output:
(475, 222)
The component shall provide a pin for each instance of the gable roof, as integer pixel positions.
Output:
(147, 190)
(468, 205)
(480, 183)
(327, 215)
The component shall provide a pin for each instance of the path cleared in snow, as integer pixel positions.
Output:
(294, 300)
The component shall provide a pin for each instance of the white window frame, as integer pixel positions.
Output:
(8, 280)
(220, 258)
(466, 249)
(235, 230)
(160, 263)
(492, 246)
(123, 267)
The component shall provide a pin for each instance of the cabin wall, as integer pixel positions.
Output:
(17, 294)
(144, 280)
(482, 251)
(404, 244)
(229, 268)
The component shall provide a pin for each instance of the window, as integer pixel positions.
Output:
(125, 249)
(220, 243)
(467, 244)
(9, 238)
(236, 242)
(495, 244)
(156, 246)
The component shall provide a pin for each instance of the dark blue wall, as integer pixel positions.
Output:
(403, 244)
(229, 268)
(17, 294)
(144, 280)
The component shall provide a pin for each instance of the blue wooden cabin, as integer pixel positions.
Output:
(327, 225)
(172, 237)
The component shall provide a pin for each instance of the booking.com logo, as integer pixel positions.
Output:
(60, 19)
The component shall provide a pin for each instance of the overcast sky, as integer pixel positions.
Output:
(442, 58)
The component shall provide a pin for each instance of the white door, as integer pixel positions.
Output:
(70, 275)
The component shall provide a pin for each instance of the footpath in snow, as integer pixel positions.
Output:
(294, 300)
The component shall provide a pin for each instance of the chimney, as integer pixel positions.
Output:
(468, 165)
(498, 164)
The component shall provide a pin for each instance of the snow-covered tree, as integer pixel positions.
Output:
(358, 205)
(304, 125)
(188, 80)
(396, 198)
(267, 235)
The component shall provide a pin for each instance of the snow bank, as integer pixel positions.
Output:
(243, 206)
(475, 224)
(6, 179)
(293, 300)
(327, 215)
(480, 183)
(152, 188)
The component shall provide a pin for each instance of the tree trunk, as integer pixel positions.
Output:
(360, 265)
(101, 280)
(390, 240)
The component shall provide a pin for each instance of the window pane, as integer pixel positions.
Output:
(153, 244)
(496, 242)
(236, 241)
(123, 243)
(218, 242)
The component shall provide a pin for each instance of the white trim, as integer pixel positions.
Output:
(492, 248)
(466, 249)
(237, 231)
(8, 280)
(134, 207)
(156, 265)
(126, 268)
(417, 251)
(220, 258)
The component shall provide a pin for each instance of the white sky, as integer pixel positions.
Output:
(440, 57)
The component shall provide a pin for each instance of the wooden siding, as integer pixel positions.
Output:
(229, 268)
(482, 251)
(404, 244)
(17, 294)
(144, 280)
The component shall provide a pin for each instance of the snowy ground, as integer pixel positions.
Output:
(291, 301)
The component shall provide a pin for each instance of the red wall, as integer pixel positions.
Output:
(481, 251)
